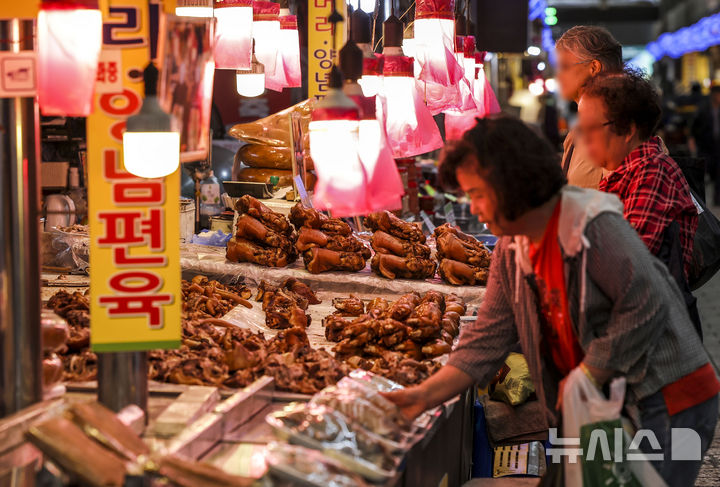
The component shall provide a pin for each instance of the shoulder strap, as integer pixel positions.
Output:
(568, 158)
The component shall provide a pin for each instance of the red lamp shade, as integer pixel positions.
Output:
(69, 34)
(290, 51)
(334, 141)
(266, 34)
(434, 37)
(371, 80)
(409, 125)
(233, 34)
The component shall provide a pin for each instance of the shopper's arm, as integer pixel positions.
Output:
(445, 384)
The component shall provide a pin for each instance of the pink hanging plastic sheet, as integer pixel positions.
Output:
(341, 187)
(385, 188)
(233, 34)
(289, 53)
(434, 29)
(69, 35)
(266, 32)
(409, 125)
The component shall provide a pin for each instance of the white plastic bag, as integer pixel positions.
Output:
(582, 404)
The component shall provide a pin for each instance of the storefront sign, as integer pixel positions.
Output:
(320, 44)
(134, 222)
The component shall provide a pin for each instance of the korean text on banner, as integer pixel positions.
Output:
(134, 222)
(320, 44)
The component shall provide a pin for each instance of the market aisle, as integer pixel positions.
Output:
(709, 304)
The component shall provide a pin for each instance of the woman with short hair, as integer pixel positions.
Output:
(618, 116)
(583, 52)
(572, 283)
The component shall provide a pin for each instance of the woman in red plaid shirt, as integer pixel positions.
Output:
(618, 116)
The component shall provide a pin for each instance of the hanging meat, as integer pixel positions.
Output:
(463, 260)
(327, 244)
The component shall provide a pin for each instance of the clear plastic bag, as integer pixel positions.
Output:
(303, 465)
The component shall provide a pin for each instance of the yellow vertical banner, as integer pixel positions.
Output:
(320, 43)
(134, 222)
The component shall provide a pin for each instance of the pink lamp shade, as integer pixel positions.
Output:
(371, 80)
(385, 188)
(434, 37)
(233, 34)
(266, 33)
(334, 144)
(69, 34)
(409, 125)
(482, 88)
(290, 51)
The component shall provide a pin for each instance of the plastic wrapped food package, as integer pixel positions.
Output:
(298, 464)
(374, 381)
(329, 431)
(366, 406)
(274, 130)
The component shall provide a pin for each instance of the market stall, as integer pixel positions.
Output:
(256, 356)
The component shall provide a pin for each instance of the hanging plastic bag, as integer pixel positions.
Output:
(409, 125)
(587, 413)
(434, 29)
(289, 52)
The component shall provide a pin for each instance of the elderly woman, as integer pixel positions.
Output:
(618, 116)
(550, 290)
(582, 53)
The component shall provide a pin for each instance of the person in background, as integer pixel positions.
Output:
(618, 117)
(583, 52)
(705, 131)
(572, 283)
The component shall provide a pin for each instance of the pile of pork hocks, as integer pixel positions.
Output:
(327, 244)
(285, 305)
(395, 339)
(262, 236)
(463, 260)
(400, 250)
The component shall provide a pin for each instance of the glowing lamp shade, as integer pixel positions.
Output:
(266, 34)
(409, 125)
(233, 34)
(290, 51)
(194, 8)
(250, 84)
(151, 149)
(385, 188)
(434, 42)
(469, 57)
(69, 34)
(334, 143)
(151, 154)
(371, 80)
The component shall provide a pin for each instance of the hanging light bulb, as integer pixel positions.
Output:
(334, 143)
(266, 34)
(194, 8)
(434, 29)
(151, 149)
(384, 186)
(251, 83)
(69, 34)
(290, 51)
(233, 34)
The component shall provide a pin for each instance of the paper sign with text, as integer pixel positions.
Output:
(134, 222)
(320, 44)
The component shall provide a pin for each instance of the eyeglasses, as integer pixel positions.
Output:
(586, 131)
(566, 67)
